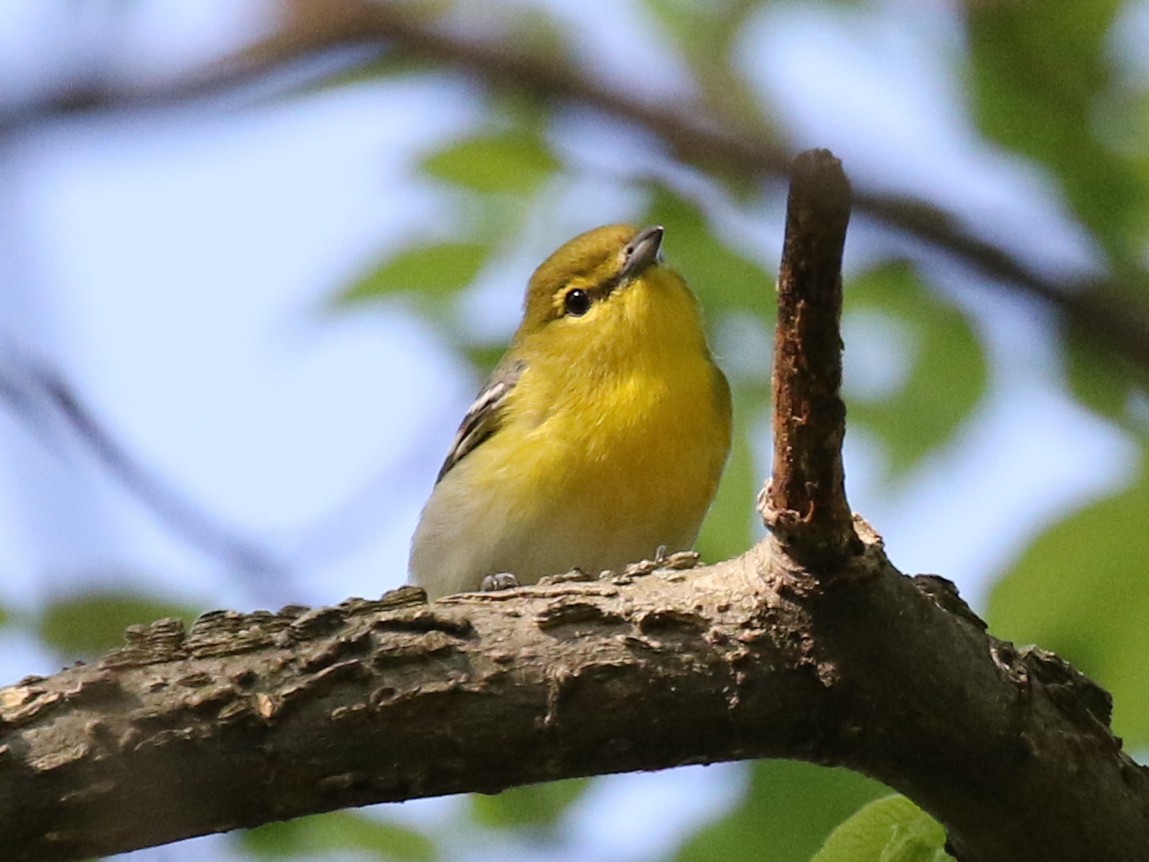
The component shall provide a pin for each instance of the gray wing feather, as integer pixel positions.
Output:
(483, 416)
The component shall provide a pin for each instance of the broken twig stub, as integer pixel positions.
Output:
(804, 504)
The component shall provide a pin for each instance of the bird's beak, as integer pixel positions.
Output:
(642, 251)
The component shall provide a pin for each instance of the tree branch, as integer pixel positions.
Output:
(805, 502)
(247, 719)
(1099, 309)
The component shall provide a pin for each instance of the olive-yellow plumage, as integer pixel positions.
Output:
(600, 436)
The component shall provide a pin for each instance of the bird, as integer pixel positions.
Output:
(599, 438)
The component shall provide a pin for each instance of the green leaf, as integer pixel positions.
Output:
(538, 805)
(1095, 379)
(431, 272)
(515, 161)
(90, 623)
(723, 278)
(1038, 81)
(728, 285)
(1080, 590)
(705, 34)
(727, 530)
(887, 830)
(788, 811)
(536, 33)
(484, 356)
(320, 835)
(943, 363)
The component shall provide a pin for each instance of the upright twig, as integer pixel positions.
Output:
(804, 503)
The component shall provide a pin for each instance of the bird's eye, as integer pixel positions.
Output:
(576, 302)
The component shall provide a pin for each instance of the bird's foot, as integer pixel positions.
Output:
(662, 561)
(497, 582)
(575, 575)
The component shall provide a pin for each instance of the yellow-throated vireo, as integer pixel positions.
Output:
(600, 436)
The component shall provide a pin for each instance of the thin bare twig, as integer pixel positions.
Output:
(39, 395)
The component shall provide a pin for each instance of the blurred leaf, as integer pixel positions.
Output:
(1038, 80)
(5, 617)
(428, 271)
(484, 357)
(887, 830)
(725, 282)
(723, 279)
(1081, 591)
(789, 810)
(535, 32)
(705, 34)
(1093, 379)
(946, 373)
(727, 530)
(322, 834)
(90, 623)
(511, 161)
(538, 805)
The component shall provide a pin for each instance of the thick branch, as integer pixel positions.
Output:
(248, 719)
(805, 502)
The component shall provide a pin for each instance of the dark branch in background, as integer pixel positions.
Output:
(805, 502)
(246, 719)
(41, 396)
(1097, 308)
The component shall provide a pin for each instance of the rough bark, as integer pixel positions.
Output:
(804, 504)
(247, 719)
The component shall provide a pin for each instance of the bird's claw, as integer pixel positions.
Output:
(497, 582)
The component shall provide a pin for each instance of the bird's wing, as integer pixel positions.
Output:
(483, 416)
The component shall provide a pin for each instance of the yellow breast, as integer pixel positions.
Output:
(611, 444)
